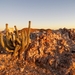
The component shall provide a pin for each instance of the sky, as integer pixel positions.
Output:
(48, 14)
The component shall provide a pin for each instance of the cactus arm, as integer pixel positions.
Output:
(8, 42)
(17, 35)
(22, 40)
(28, 34)
(29, 29)
(16, 30)
(8, 38)
(1, 40)
(13, 39)
(9, 50)
(16, 50)
(3, 44)
(25, 39)
(18, 41)
(6, 29)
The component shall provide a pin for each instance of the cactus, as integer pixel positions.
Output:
(13, 42)
(6, 29)
(27, 38)
(16, 31)
(4, 43)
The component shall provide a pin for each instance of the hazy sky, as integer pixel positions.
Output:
(43, 13)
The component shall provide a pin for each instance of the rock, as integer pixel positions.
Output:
(50, 52)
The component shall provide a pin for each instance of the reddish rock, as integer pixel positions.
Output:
(50, 52)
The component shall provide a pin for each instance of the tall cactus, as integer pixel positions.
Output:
(25, 37)
(13, 42)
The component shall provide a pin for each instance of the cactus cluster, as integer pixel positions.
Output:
(13, 42)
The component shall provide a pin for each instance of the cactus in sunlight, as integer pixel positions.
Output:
(5, 43)
(13, 42)
(25, 37)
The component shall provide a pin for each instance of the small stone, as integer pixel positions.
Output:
(22, 69)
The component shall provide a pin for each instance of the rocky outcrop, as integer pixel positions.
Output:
(50, 52)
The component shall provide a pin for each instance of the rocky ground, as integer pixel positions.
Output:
(50, 52)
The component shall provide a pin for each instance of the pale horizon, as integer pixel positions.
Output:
(46, 14)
